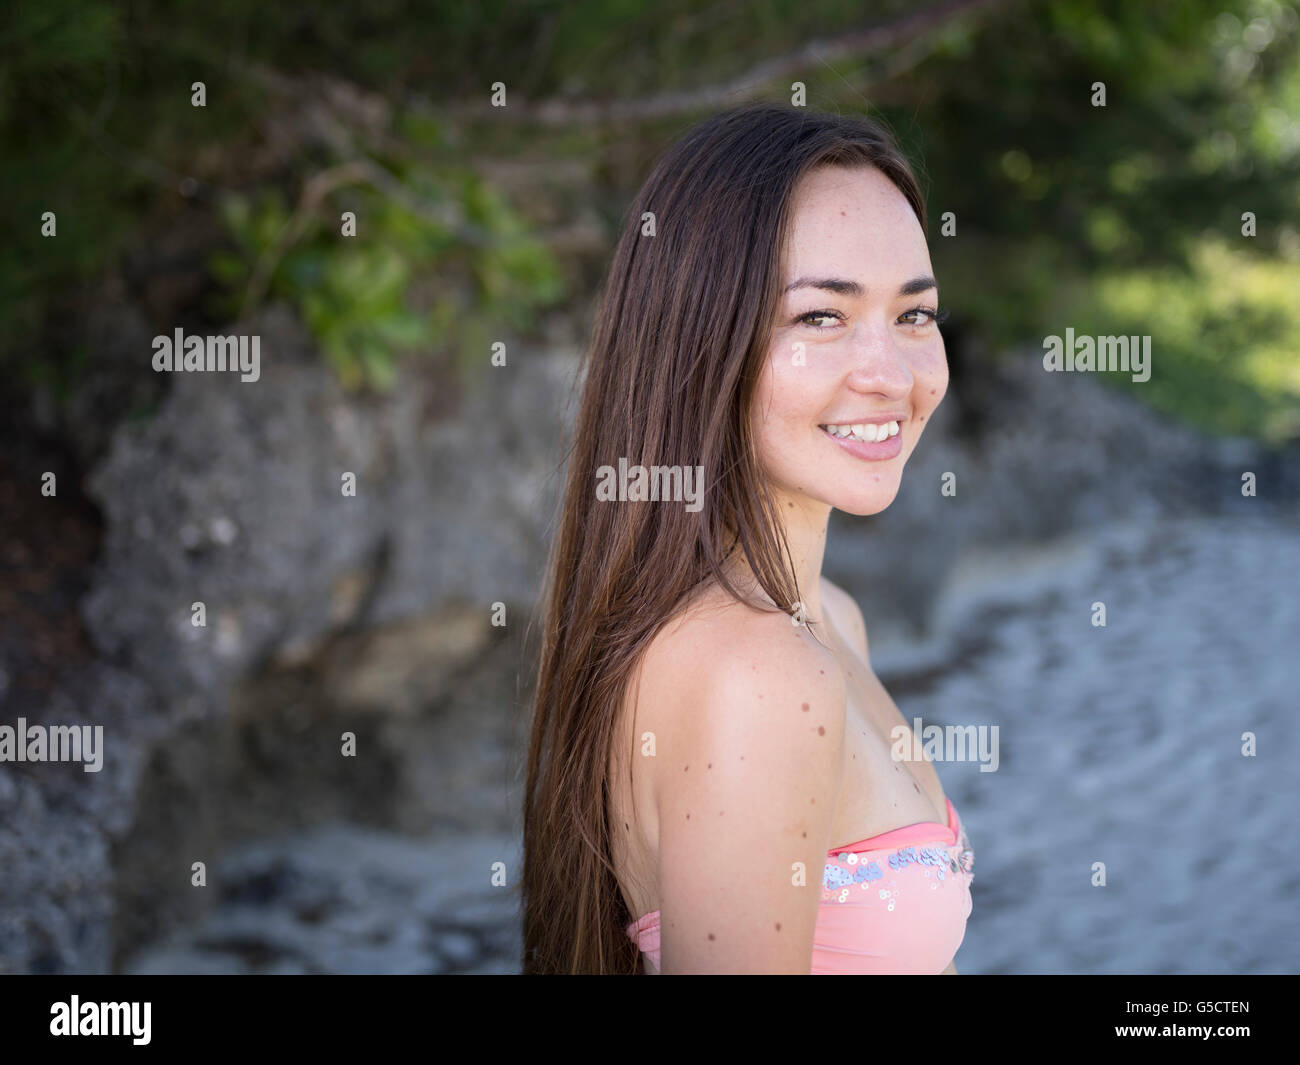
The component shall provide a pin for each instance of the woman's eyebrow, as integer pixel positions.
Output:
(843, 287)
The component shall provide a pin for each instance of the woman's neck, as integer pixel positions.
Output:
(804, 523)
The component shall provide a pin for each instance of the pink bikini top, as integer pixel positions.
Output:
(896, 903)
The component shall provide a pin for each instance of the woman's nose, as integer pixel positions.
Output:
(879, 364)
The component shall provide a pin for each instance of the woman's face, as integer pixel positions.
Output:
(852, 346)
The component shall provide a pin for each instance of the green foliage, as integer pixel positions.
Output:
(1061, 206)
(1225, 337)
(361, 295)
(97, 126)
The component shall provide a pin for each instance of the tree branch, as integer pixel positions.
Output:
(557, 112)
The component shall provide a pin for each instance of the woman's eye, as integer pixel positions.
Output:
(922, 317)
(806, 319)
(928, 315)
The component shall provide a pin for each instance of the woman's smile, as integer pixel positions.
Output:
(872, 441)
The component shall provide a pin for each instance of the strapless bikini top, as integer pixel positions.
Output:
(896, 903)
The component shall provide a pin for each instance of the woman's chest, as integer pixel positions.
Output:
(884, 784)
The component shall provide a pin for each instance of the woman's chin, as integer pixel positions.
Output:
(866, 502)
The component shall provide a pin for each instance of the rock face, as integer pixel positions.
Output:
(370, 615)
(231, 495)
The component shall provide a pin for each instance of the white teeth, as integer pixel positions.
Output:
(869, 432)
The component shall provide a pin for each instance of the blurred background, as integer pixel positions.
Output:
(1171, 211)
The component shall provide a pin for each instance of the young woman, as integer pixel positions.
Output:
(708, 731)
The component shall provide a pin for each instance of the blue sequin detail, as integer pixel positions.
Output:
(836, 876)
(925, 856)
(940, 859)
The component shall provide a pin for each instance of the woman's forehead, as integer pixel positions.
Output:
(855, 224)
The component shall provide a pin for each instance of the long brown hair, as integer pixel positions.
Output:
(681, 337)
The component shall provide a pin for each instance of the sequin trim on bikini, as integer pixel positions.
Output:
(837, 879)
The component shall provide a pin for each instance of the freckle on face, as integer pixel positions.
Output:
(804, 707)
(821, 730)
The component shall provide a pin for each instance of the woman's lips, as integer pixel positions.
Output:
(874, 452)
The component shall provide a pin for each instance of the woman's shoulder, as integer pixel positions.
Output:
(722, 666)
(715, 631)
(845, 614)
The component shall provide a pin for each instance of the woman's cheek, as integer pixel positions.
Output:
(932, 376)
(806, 376)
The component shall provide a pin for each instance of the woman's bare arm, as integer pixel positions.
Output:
(746, 790)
